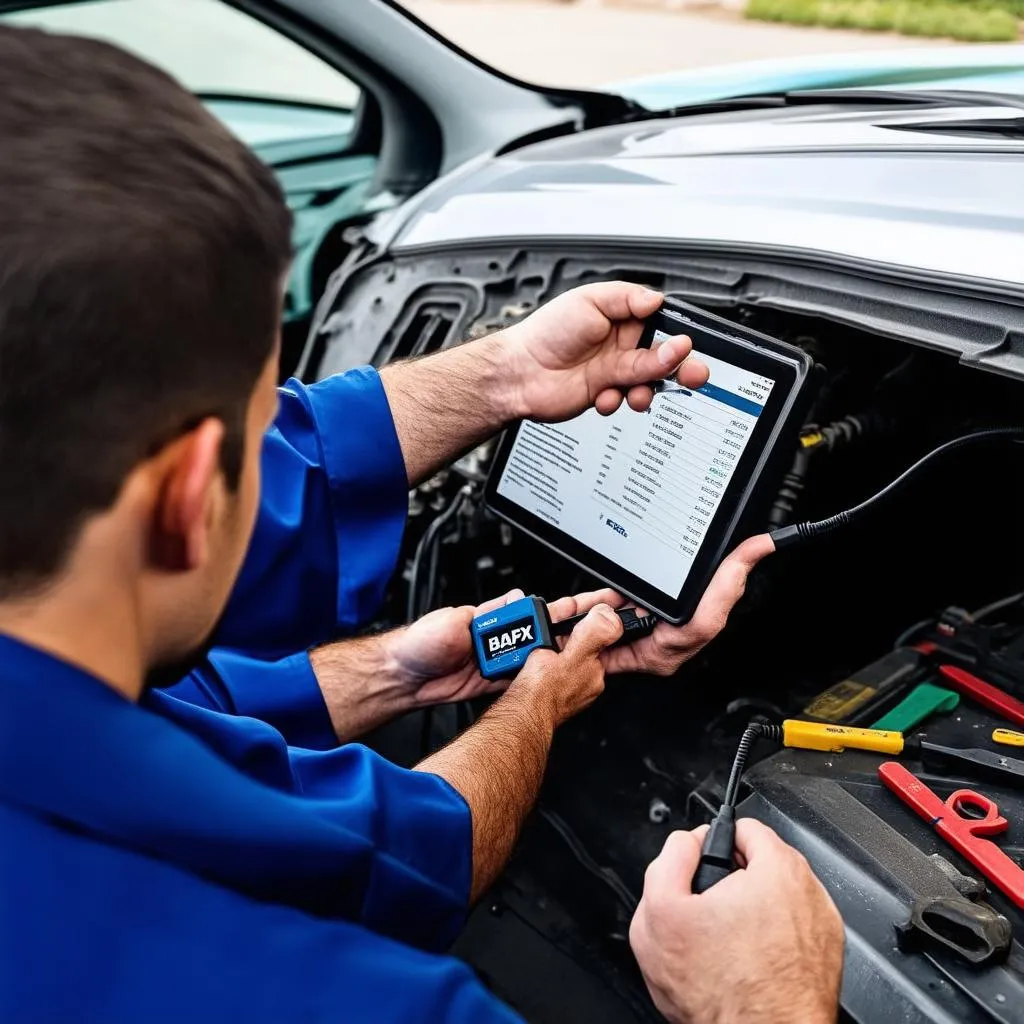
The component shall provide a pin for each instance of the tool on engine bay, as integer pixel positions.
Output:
(986, 764)
(964, 833)
(921, 703)
(717, 857)
(786, 536)
(945, 908)
(1008, 737)
(504, 638)
(983, 693)
(836, 738)
(975, 761)
(872, 683)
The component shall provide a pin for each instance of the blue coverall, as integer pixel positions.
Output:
(178, 861)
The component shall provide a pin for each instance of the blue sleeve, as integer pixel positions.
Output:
(334, 502)
(142, 940)
(341, 833)
(284, 693)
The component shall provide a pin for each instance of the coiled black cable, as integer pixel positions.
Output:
(788, 535)
(717, 860)
(753, 732)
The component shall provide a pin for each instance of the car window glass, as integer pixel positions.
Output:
(208, 46)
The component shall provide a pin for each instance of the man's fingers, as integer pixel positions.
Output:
(597, 631)
(673, 869)
(639, 398)
(755, 840)
(693, 373)
(619, 300)
(608, 401)
(565, 607)
(498, 602)
(642, 365)
(726, 588)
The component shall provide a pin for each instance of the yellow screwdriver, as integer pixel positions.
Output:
(934, 756)
(1008, 737)
(836, 738)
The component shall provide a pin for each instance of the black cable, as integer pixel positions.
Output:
(430, 591)
(997, 606)
(717, 859)
(753, 732)
(426, 730)
(911, 631)
(425, 549)
(815, 439)
(797, 532)
(606, 875)
(642, 1007)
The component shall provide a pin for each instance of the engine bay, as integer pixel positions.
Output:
(652, 755)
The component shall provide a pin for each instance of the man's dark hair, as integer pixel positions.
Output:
(142, 248)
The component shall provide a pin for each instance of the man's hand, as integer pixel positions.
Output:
(368, 680)
(763, 945)
(669, 646)
(433, 658)
(572, 680)
(580, 349)
(498, 763)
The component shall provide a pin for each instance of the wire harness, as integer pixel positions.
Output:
(798, 532)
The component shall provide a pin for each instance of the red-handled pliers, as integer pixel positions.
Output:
(962, 833)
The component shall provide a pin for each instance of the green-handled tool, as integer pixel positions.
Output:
(924, 700)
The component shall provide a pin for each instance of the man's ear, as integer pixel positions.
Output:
(181, 524)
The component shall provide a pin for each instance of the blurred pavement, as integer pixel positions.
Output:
(586, 44)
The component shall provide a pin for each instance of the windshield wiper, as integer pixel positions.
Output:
(860, 97)
(908, 97)
(982, 128)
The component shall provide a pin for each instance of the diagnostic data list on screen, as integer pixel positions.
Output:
(641, 488)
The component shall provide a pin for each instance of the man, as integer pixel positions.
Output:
(167, 857)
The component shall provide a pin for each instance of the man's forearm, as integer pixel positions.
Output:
(361, 686)
(497, 766)
(447, 403)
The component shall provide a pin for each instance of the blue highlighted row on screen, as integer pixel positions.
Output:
(718, 394)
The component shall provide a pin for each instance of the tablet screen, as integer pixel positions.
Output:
(641, 489)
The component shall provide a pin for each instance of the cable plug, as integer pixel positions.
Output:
(784, 536)
(634, 625)
(717, 860)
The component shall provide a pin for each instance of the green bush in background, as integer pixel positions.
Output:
(974, 21)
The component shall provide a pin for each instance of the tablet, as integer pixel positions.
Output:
(651, 502)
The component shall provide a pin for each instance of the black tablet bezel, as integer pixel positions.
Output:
(717, 339)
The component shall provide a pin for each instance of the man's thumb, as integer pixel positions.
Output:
(643, 365)
(672, 871)
(598, 630)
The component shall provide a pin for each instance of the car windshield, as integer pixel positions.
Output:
(664, 54)
(210, 47)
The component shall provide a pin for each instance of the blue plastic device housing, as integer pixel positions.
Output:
(504, 638)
